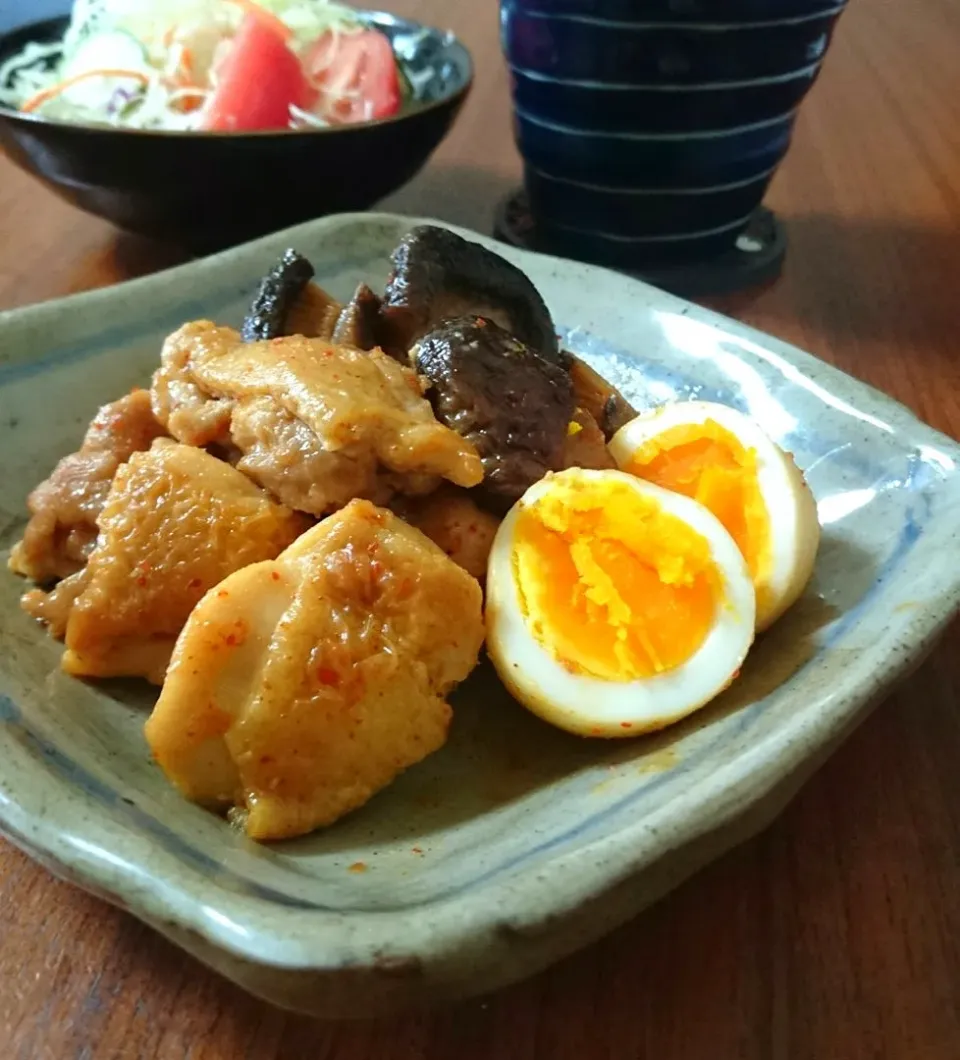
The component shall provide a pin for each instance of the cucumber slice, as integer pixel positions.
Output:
(407, 94)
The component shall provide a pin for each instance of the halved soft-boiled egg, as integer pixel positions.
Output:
(615, 607)
(724, 460)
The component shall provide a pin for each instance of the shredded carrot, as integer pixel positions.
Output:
(46, 94)
(183, 76)
(267, 17)
(190, 99)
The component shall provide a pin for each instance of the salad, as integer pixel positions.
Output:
(209, 65)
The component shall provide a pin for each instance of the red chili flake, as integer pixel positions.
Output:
(328, 676)
(417, 850)
(231, 639)
(223, 593)
(275, 576)
(626, 724)
(194, 583)
(358, 866)
(141, 581)
(265, 760)
(596, 731)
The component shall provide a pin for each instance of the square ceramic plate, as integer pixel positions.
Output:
(516, 843)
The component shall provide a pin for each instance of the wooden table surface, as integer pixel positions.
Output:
(833, 936)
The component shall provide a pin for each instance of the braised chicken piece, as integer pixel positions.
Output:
(437, 275)
(317, 425)
(314, 314)
(363, 412)
(278, 293)
(64, 509)
(606, 405)
(301, 687)
(454, 522)
(360, 323)
(585, 445)
(176, 522)
(52, 607)
(188, 411)
(510, 403)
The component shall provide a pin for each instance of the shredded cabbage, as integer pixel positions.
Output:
(180, 42)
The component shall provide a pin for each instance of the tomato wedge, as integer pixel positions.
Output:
(356, 74)
(259, 80)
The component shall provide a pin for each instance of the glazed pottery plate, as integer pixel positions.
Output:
(516, 843)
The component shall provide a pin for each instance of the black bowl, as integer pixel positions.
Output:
(211, 190)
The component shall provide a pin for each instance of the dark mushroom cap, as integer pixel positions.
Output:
(438, 276)
(511, 403)
(279, 290)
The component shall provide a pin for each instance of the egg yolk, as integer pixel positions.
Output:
(612, 584)
(708, 463)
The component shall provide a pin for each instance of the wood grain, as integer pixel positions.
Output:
(836, 934)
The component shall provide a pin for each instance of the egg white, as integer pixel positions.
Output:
(791, 507)
(592, 706)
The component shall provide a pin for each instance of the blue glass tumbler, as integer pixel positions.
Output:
(650, 129)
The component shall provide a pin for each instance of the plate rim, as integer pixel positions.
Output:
(327, 941)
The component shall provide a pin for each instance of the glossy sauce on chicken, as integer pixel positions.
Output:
(64, 509)
(176, 521)
(302, 686)
(315, 424)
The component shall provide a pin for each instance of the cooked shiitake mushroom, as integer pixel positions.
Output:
(438, 276)
(511, 403)
(278, 293)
